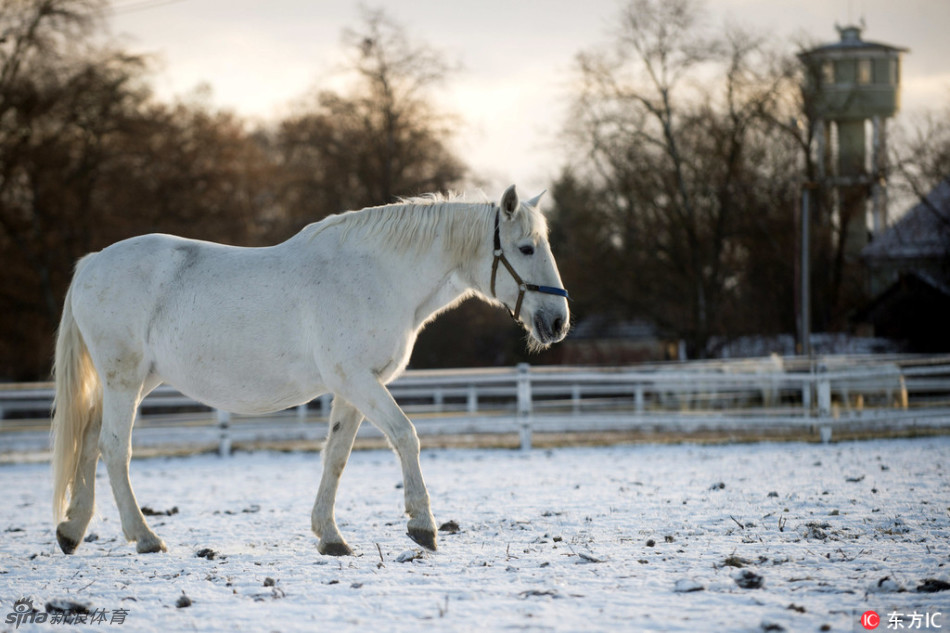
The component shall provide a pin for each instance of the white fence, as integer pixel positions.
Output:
(794, 394)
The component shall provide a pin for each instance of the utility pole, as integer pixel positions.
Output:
(805, 271)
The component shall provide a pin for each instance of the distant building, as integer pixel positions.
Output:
(909, 277)
(851, 88)
(599, 340)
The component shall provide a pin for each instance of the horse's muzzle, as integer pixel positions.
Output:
(550, 328)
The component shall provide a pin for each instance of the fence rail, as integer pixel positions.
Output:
(883, 392)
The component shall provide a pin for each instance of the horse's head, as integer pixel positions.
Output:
(524, 273)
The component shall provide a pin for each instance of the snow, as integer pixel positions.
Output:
(644, 537)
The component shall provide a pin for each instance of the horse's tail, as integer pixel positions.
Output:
(78, 402)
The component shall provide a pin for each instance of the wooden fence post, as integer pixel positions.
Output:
(824, 407)
(524, 405)
(224, 432)
(472, 400)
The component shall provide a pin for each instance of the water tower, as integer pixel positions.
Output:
(851, 88)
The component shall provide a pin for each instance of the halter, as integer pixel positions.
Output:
(522, 285)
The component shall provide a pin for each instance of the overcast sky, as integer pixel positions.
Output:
(516, 57)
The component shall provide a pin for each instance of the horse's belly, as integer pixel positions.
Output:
(248, 376)
(242, 394)
(237, 354)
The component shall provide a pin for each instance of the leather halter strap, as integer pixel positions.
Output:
(523, 286)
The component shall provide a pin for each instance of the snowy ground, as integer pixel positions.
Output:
(627, 538)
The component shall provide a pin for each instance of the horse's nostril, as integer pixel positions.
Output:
(558, 324)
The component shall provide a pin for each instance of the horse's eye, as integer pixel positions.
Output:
(527, 249)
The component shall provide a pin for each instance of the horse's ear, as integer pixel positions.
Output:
(509, 200)
(533, 202)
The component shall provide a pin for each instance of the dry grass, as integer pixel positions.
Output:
(544, 440)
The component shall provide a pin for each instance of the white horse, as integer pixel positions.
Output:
(336, 308)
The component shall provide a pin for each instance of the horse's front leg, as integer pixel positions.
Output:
(344, 422)
(379, 407)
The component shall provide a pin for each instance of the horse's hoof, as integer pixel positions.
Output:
(67, 544)
(150, 546)
(334, 549)
(425, 538)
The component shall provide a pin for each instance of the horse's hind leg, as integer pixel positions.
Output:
(82, 501)
(344, 422)
(115, 442)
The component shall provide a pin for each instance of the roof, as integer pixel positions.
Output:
(922, 233)
(851, 41)
(912, 309)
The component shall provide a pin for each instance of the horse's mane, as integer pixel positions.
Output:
(413, 224)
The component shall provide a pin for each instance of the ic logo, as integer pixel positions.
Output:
(870, 620)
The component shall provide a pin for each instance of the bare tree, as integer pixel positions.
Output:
(88, 158)
(921, 163)
(31, 53)
(676, 128)
(55, 110)
(35, 31)
(381, 138)
(921, 154)
(396, 76)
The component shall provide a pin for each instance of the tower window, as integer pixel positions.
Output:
(828, 72)
(864, 71)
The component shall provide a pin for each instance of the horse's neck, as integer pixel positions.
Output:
(432, 283)
(442, 274)
(429, 278)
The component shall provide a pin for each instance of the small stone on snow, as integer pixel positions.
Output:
(885, 585)
(409, 555)
(748, 579)
(687, 585)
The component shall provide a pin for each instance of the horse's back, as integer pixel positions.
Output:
(214, 321)
(121, 282)
(128, 277)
